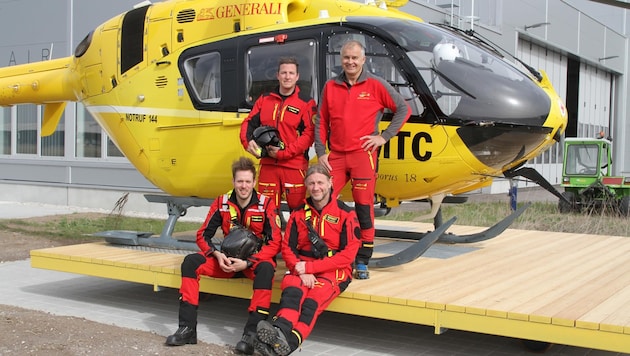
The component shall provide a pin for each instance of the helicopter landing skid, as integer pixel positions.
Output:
(487, 234)
(177, 207)
(414, 251)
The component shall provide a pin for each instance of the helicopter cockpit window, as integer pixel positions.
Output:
(262, 67)
(204, 73)
(378, 61)
(467, 80)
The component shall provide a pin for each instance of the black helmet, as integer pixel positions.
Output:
(240, 243)
(267, 136)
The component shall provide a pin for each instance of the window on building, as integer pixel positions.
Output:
(5, 130)
(88, 134)
(53, 145)
(26, 129)
(112, 150)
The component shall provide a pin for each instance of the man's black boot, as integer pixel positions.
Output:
(264, 349)
(184, 335)
(274, 337)
(187, 332)
(246, 345)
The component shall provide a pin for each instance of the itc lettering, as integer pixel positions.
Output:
(418, 147)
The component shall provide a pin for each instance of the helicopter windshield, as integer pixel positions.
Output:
(467, 81)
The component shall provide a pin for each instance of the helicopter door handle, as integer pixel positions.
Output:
(159, 63)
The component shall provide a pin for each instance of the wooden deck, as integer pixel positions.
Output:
(560, 288)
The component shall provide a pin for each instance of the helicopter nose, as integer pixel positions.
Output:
(499, 145)
(503, 120)
(501, 99)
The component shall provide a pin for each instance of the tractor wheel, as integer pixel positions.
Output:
(624, 206)
(563, 206)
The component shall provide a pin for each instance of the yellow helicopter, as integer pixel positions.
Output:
(171, 82)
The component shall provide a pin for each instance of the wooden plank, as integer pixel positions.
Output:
(456, 278)
(524, 283)
(613, 312)
(525, 276)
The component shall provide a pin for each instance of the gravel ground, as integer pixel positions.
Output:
(30, 332)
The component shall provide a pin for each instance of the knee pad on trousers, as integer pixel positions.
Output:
(309, 307)
(290, 298)
(191, 263)
(264, 275)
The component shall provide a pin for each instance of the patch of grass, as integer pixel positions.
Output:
(542, 216)
(78, 226)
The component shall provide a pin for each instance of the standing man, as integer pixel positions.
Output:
(240, 207)
(321, 241)
(351, 108)
(291, 113)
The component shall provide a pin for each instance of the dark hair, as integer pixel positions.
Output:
(243, 164)
(317, 168)
(288, 60)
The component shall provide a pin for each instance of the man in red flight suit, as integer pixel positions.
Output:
(319, 264)
(291, 113)
(351, 108)
(245, 207)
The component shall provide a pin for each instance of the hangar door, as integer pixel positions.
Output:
(555, 64)
(594, 100)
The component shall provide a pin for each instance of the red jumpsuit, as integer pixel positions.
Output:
(261, 217)
(347, 113)
(293, 117)
(300, 306)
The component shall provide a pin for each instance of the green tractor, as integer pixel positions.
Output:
(587, 178)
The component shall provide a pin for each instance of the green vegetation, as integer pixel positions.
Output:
(543, 216)
(78, 226)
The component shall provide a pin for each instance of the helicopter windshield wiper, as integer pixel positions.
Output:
(471, 34)
(451, 82)
(484, 41)
(491, 46)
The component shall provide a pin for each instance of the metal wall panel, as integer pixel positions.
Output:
(592, 42)
(563, 31)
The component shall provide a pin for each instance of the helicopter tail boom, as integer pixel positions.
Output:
(38, 83)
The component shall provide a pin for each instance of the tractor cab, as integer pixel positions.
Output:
(586, 159)
(588, 181)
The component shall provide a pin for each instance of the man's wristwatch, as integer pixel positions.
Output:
(249, 263)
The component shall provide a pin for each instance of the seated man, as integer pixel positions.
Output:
(242, 206)
(321, 242)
